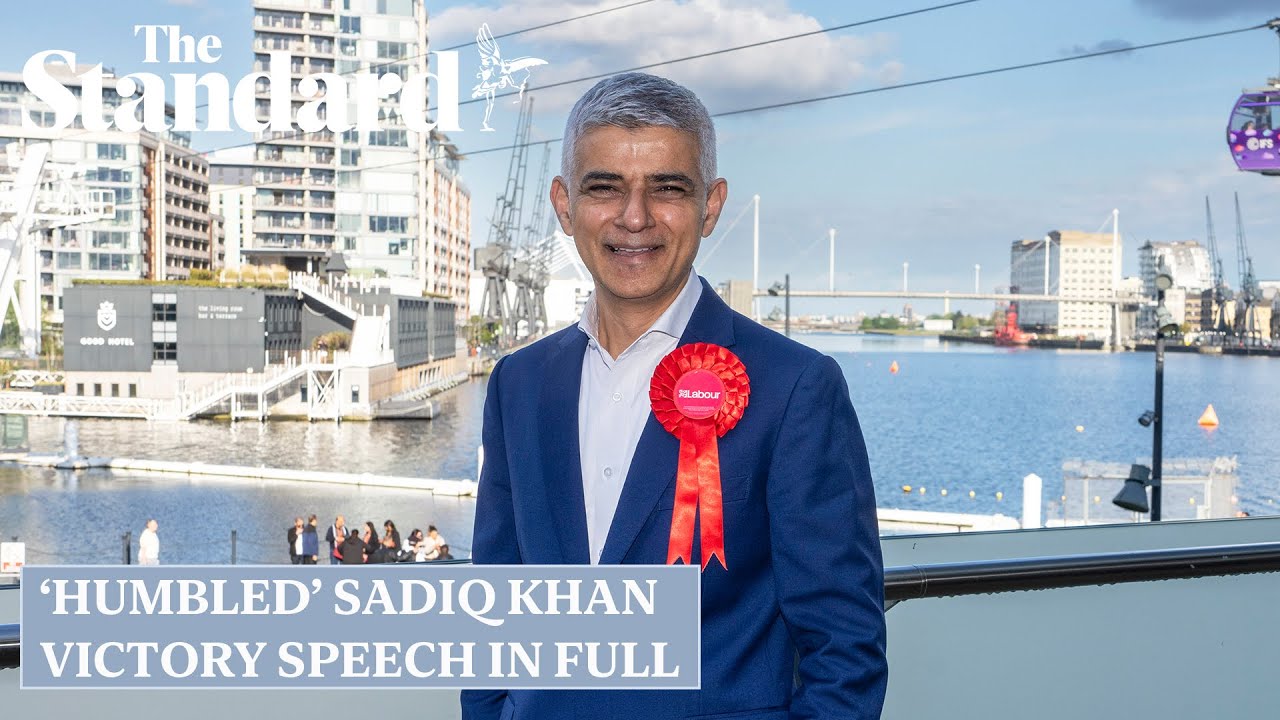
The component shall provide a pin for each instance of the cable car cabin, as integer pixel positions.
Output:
(1253, 134)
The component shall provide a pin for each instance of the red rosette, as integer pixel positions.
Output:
(698, 393)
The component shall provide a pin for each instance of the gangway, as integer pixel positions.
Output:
(247, 393)
(327, 295)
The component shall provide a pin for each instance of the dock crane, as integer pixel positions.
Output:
(1220, 328)
(532, 259)
(497, 257)
(1247, 328)
(37, 196)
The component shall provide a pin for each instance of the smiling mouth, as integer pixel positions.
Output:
(631, 251)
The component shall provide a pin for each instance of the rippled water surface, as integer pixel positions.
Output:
(956, 417)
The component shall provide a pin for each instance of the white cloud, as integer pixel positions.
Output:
(668, 29)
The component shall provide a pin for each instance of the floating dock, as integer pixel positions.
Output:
(436, 486)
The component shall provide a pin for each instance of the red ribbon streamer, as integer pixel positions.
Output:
(698, 489)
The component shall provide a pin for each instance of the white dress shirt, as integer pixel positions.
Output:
(613, 406)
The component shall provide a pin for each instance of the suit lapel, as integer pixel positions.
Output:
(561, 457)
(653, 467)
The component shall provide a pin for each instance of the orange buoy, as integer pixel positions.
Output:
(1209, 418)
(893, 367)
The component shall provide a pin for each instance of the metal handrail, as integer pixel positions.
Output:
(913, 582)
(8, 647)
(1047, 573)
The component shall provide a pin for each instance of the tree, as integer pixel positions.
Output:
(10, 335)
(481, 333)
(881, 323)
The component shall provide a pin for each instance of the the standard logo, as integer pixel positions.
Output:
(138, 100)
(107, 316)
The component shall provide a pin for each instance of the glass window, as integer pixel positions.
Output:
(97, 389)
(80, 389)
(349, 24)
(133, 390)
(164, 312)
(388, 223)
(164, 353)
(351, 157)
(389, 138)
(111, 151)
(392, 50)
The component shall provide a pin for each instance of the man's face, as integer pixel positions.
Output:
(153, 525)
(637, 209)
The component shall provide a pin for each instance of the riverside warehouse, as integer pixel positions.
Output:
(155, 341)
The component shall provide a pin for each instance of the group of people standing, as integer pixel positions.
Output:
(357, 546)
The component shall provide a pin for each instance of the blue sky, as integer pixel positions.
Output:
(942, 176)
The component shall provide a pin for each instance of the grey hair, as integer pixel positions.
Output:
(638, 100)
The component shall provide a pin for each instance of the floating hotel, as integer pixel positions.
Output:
(306, 347)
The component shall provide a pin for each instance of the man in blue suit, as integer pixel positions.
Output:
(578, 470)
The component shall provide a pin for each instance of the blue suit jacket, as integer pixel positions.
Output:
(803, 549)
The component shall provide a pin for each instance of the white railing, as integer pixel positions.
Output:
(329, 295)
(192, 403)
(31, 378)
(431, 388)
(34, 403)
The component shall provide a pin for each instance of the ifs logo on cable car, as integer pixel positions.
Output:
(326, 95)
(1256, 143)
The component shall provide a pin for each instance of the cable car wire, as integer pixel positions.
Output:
(869, 91)
(992, 71)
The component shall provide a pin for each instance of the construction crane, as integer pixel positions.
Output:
(37, 196)
(1247, 328)
(532, 259)
(497, 257)
(1221, 293)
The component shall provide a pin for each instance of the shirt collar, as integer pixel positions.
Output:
(672, 322)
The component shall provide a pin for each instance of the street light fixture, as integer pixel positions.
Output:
(1133, 496)
(785, 289)
(1165, 326)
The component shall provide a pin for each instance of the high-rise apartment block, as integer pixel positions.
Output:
(1188, 262)
(1072, 264)
(389, 200)
(162, 228)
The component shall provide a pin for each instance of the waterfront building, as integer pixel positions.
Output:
(1189, 264)
(231, 193)
(737, 294)
(163, 227)
(389, 200)
(1066, 262)
(445, 266)
(158, 341)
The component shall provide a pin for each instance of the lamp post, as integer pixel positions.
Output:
(785, 289)
(1165, 325)
(1133, 495)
